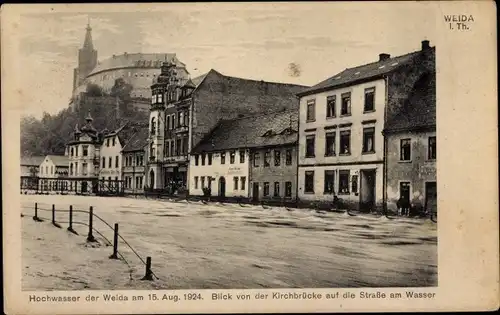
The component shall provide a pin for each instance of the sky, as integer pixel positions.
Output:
(255, 41)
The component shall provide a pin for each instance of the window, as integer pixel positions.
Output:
(117, 158)
(180, 116)
(196, 159)
(354, 183)
(329, 182)
(310, 146)
(311, 110)
(168, 123)
(242, 156)
(203, 159)
(309, 182)
(70, 169)
(172, 147)
(370, 100)
(209, 158)
(110, 162)
(235, 179)
(267, 158)
(266, 189)
(114, 141)
(84, 169)
(330, 106)
(405, 150)
(203, 182)
(288, 157)
(276, 189)
(288, 189)
(223, 158)
(167, 149)
(153, 126)
(432, 148)
(52, 170)
(345, 110)
(345, 142)
(173, 121)
(256, 158)
(76, 153)
(72, 152)
(330, 143)
(243, 181)
(368, 139)
(196, 182)
(343, 182)
(185, 145)
(277, 157)
(103, 162)
(178, 147)
(232, 156)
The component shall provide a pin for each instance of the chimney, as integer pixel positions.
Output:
(384, 56)
(425, 45)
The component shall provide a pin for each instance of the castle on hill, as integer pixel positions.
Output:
(136, 69)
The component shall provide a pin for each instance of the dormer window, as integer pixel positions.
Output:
(160, 97)
(153, 99)
(268, 133)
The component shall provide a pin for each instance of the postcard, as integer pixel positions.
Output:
(249, 157)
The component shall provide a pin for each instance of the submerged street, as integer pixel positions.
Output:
(200, 246)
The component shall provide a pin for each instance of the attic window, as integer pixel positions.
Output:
(382, 67)
(357, 73)
(287, 131)
(337, 77)
(269, 133)
(395, 64)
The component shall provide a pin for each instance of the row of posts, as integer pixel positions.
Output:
(90, 236)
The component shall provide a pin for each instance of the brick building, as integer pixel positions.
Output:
(183, 112)
(252, 157)
(342, 150)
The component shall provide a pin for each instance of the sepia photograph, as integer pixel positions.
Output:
(216, 146)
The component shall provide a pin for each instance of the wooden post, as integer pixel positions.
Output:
(54, 217)
(70, 227)
(90, 236)
(35, 217)
(149, 273)
(115, 244)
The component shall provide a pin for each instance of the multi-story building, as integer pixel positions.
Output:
(341, 145)
(252, 157)
(412, 149)
(83, 154)
(134, 161)
(183, 112)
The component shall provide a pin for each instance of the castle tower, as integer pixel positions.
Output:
(87, 59)
(162, 84)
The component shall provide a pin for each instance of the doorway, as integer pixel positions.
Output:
(431, 197)
(151, 179)
(84, 187)
(222, 187)
(404, 191)
(255, 192)
(367, 190)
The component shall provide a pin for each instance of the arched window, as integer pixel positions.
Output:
(153, 126)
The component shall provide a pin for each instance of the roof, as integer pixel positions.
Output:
(197, 81)
(59, 160)
(138, 141)
(136, 60)
(32, 160)
(252, 132)
(419, 110)
(362, 73)
(126, 132)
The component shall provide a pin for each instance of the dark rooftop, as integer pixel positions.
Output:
(138, 140)
(251, 132)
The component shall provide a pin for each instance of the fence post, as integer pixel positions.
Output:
(90, 237)
(70, 228)
(54, 217)
(149, 273)
(35, 217)
(115, 244)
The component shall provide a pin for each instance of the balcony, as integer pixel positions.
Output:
(181, 129)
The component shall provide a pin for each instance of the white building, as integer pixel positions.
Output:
(54, 166)
(341, 142)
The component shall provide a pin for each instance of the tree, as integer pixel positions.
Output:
(94, 90)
